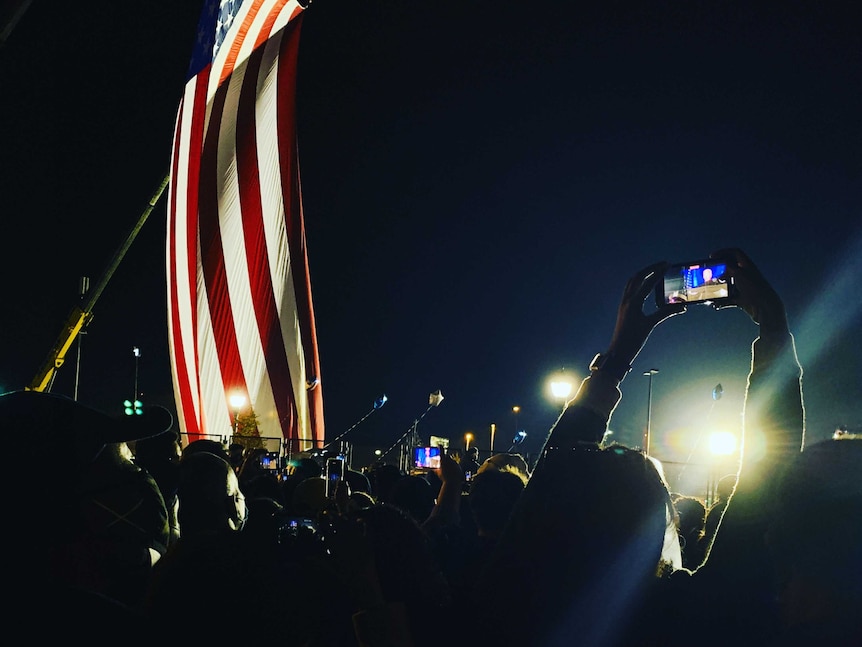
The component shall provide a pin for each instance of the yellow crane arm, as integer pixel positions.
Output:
(82, 314)
(76, 321)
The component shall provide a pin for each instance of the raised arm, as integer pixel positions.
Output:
(774, 412)
(586, 415)
(447, 508)
(774, 415)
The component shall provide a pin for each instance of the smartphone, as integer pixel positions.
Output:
(426, 457)
(295, 526)
(334, 474)
(269, 461)
(694, 282)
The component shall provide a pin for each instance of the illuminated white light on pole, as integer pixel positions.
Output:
(467, 438)
(237, 402)
(137, 353)
(722, 443)
(561, 386)
(493, 431)
(648, 435)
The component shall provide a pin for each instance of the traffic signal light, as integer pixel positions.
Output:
(133, 407)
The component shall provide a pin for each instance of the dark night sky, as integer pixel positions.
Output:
(479, 181)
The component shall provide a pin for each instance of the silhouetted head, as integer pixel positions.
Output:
(414, 495)
(207, 445)
(209, 495)
(493, 494)
(58, 456)
(506, 461)
(600, 520)
(383, 477)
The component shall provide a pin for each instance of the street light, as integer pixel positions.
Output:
(237, 402)
(722, 444)
(137, 353)
(648, 435)
(134, 407)
(516, 410)
(561, 386)
(468, 437)
(493, 431)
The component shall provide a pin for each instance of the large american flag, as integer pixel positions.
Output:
(240, 316)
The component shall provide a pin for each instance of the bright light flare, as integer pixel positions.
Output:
(722, 443)
(561, 390)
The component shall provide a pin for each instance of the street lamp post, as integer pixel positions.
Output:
(237, 402)
(516, 410)
(137, 353)
(648, 435)
(467, 438)
(493, 431)
(722, 445)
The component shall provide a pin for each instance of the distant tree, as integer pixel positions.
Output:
(247, 431)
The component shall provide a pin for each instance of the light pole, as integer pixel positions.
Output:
(493, 431)
(516, 410)
(467, 438)
(237, 402)
(722, 444)
(137, 353)
(648, 435)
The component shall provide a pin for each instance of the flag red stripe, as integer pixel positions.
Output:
(266, 28)
(292, 197)
(212, 255)
(181, 376)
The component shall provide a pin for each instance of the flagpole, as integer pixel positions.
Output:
(434, 401)
(377, 404)
(411, 428)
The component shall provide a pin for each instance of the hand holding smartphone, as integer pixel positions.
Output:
(334, 475)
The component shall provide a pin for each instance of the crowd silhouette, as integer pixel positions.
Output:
(138, 539)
